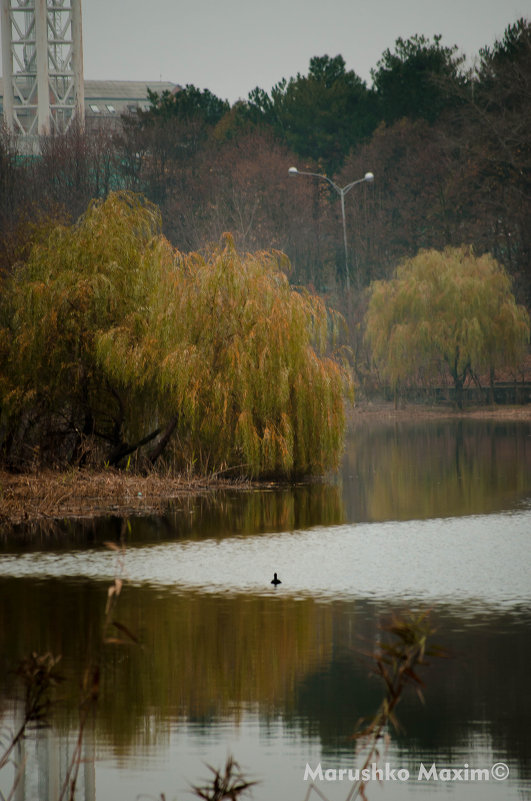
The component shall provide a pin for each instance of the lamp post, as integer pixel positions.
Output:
(367, 178)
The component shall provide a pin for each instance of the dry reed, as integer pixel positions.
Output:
(48, 495)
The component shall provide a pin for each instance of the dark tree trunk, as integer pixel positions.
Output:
(124, 448)
(162, 443)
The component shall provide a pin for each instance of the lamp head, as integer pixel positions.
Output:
(293, 171)
(369, 177)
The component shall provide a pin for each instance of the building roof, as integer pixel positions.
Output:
(104, 99)
(108, 98)
(125, 90)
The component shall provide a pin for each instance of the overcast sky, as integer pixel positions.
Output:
(231, 46)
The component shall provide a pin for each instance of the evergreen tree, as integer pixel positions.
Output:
(413, 80)
(320, 116)
(187, 104)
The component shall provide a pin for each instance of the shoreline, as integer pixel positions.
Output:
(47, 495)
(36, 497)
(385, 412)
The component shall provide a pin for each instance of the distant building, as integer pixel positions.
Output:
(42, 89)
(106, 101)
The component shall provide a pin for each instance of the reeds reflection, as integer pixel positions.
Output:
(201, 657)
(195, 517)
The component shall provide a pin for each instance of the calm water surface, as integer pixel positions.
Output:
(434, 516)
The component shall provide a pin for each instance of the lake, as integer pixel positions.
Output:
(428, 516)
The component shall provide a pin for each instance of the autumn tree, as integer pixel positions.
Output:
(74, 168)
(247, 190)
(29, 198)
(10, 176)
(445, 311)
(77, 281)
(13, 197)
(241, 363)
(113, 344)
(488, 137)
(160, 147)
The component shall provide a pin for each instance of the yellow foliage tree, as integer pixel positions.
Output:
(108, 335)
(448, 310)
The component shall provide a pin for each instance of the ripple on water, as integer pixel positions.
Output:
(478, 557)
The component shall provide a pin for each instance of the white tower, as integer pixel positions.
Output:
(42, 66)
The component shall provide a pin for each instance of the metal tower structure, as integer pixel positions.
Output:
(42, 66)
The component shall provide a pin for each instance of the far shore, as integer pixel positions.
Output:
(46, 495)
(382, 411)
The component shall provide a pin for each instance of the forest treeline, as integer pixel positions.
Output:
(450, 148)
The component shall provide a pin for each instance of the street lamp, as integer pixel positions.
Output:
(367, 178)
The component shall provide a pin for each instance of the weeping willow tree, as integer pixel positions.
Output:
(443, 312)
(238, 364)
(113, 344)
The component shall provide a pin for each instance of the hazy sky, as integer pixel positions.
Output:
(231, 46)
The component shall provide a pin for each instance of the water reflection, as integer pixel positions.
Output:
(433, 515)
(435, 469)
(404, 471)
(194, 518)
(214, 663)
